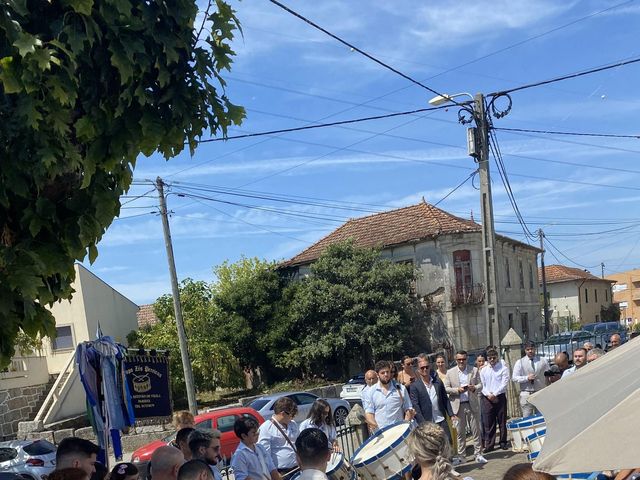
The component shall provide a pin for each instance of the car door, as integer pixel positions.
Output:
(228, 440)
(304, 402)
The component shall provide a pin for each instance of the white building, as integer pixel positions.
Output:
(447, 253)
(575, 296)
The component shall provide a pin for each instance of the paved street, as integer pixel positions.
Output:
(499, 462)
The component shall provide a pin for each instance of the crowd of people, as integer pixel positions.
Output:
(449, 405)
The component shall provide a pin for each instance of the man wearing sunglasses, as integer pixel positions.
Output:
(278, 435)
(205, 446)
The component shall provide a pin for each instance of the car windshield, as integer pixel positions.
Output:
(40, 447)
(358, 379)
(258, 404)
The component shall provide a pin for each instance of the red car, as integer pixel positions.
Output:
(222, 419)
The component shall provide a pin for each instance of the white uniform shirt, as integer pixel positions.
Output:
(388, 408)
(282, 455)
(494, 379)
(329, 430)
(256, 464)
(311, 474)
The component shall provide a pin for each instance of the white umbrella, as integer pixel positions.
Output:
(593, 416)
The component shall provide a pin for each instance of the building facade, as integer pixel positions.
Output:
(626, 293)
(575, 296)
(446, 252)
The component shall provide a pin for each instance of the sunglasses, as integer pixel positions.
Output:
(427, 367)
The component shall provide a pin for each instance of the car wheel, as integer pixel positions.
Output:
(340, 415)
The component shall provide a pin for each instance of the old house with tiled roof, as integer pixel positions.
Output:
(146, 316)
(575, 295)
(446, 252)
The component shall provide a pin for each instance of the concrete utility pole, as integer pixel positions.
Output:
(480, 151)
(602, 269)
(177, 306)
(545, 301)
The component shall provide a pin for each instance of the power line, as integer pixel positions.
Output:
(360, 51)
(575, 134)
(323, 125)
(568, 258)
(567, 77)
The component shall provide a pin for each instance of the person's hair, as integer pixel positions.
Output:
(182, 417)
(74, 447)
(285, 404)
(462, 352)
(598, 345)
(440, 356)
(481, 355)
(524, 471)
(201, 438)
(529, 344)
(244, 425)
(430, 447)
(492, 353)
(381, 365)
(580, 348)
(566, 356)
(405, 358)
(163, 460)
(424, 356)
(595, 352)
(183, 434)
(122, 470)
(101, 471)
(317, 415)
(191, 470)
(312, 446)
(68, 474)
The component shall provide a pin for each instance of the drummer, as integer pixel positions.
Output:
(388, 401)
(313, 454)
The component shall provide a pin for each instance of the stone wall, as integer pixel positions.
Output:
(19, 404)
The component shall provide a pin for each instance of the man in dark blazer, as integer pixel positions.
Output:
(429, 397)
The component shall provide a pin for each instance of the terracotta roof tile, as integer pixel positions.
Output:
(561, 273)
(403, 225)
(146, 316)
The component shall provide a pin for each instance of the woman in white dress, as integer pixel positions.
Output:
(320, 416)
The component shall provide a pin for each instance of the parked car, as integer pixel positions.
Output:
(304, 400)
(565, 342)
(603, 331)
(352, 390)
(31, 459)
(221, 419)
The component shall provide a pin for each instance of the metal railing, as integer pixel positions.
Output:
(467, 295)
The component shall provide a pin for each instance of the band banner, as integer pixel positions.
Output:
(149, 384)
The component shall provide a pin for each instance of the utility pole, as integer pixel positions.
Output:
(602, 269)
(479, 142)
(544, 285)
(177, 306)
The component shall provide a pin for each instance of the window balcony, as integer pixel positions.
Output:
(467, 295)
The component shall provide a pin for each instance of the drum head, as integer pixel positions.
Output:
(337, 458)
(382, 441)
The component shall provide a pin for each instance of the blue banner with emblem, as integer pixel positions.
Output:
(148, 379)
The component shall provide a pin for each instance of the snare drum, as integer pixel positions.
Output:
(384, 455)
(535, 441)
(338, 468)
(523, 427)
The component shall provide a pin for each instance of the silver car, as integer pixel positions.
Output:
(304, 400)
(565, 342)
(32, 459)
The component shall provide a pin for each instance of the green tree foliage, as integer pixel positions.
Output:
(248, 294)
(85, 87)
(610, 313)
(354, 305)
(213, 362)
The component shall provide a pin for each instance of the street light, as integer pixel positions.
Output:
(442, 99)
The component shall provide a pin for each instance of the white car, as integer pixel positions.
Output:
(304, 400)
(352, 390)
(32, 459)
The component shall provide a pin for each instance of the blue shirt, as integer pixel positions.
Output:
(388, 408)
(281, 453)
(256, 464)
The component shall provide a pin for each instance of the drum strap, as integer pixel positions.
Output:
(284, 434)
(399, 388)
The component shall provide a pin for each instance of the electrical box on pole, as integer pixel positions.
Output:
(472, 143)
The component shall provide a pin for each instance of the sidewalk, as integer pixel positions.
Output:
(499, 462)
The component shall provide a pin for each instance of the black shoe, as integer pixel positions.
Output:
(488, 450)
(504, 446)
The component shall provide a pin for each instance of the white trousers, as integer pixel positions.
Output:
(527, 408)
(466, 413)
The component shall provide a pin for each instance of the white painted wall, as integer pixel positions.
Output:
(568, 298)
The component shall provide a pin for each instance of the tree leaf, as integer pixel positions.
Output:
(26, 43)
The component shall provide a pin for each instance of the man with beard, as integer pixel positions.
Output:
(579, 361)
(205, 446)
(388, 402)
(528, 372)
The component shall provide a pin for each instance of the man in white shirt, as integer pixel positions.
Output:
(579, 361)
(528, 372)
(314, 453)
(251, 461)
(494, 378)
(387, 401)
(278, 434)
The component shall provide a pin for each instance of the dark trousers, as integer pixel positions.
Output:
(492, 415)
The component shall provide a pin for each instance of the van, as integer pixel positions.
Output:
(603, 331)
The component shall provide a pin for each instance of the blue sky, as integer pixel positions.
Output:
(287, 74)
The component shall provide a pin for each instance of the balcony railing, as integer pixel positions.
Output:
(467, 295)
